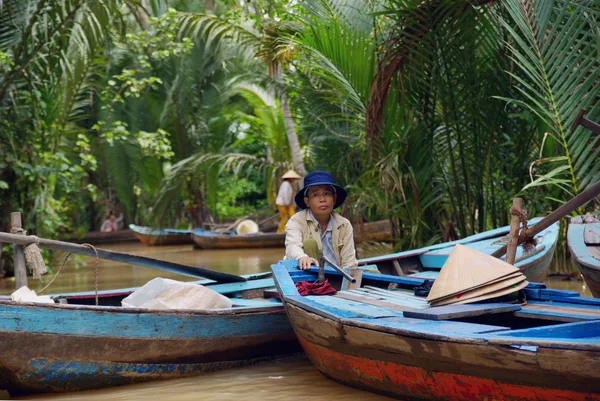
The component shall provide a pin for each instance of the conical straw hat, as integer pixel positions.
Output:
(290, 174)
(468, 291)
(466, 269)
(495, 294)
(486, 289)
(246, 227)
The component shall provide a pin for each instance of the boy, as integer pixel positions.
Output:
(318, 223)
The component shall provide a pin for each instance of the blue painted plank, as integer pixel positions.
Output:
(358, 309)
(425, 327)
(427, 274)
(577, 330)
(534, 285)
(375, 276)
(229, 288)
(304, 277)
(555, 315)
(460, 311)
(120, 322)
(558, 293)
(578, 300)
(568, 304)
(284, 283)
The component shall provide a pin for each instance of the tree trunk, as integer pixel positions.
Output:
(292, 137)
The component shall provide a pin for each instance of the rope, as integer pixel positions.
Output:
(65, 261)
(33, 256)
(527, 242)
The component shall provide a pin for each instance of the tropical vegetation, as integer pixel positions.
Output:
(433, 114)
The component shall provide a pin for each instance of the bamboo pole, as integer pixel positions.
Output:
(556, 215)
(122, 257)
(513, 238)
(19, 255)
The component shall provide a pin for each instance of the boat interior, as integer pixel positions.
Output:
(246, 294)
(388, 302)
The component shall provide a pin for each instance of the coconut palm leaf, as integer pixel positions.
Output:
(553, 43)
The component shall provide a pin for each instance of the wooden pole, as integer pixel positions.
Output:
(513, 238)
(122, 257)
(556, 215)
(19, 255)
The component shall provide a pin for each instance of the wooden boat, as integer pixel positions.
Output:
(426, 262)
(584, 244)
(99, 237)
(166, 236)
(74, 345)
(376, 231)
(392, 342)
(207, 239)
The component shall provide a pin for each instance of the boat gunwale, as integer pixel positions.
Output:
(159, 312)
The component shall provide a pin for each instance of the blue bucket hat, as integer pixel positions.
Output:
(319, 177)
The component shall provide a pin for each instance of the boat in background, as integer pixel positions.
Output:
(426, 262)
(165, 236)
(75, 345)
(583, 238)
(209, 239)
(100, 237)
(392, 342)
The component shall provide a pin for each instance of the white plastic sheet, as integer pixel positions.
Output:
(163, 293)
(24, 294)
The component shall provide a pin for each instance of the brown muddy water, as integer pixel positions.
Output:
(291, 378)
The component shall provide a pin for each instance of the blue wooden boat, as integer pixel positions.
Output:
(166, 236)
(584, 243)
(392, 342)
(210, 239)
(426, 262)
(74, 345)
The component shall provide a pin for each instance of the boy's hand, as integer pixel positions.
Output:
(305, 262)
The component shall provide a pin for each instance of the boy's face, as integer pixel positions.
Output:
(320, 200)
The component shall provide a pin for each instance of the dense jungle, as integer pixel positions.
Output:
(432, 113)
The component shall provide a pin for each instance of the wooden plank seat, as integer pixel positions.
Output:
(578, 335)
(461, 311)
(396, 300)
(353, 308)
(559, 311)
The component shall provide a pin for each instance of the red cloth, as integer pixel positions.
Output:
(316, 288)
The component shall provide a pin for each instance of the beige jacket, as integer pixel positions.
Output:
(301, 227)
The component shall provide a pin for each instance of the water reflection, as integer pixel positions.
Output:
(291, 378)
(288, 379)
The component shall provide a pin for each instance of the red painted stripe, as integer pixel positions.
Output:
(410, 381)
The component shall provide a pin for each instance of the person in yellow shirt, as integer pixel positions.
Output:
(285, 199)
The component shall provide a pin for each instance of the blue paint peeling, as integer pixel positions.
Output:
(137, 325)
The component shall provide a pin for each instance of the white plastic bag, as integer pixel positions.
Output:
(163, 293)
(24, 294)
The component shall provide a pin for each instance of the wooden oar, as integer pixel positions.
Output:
(121, 257)
(556, 215)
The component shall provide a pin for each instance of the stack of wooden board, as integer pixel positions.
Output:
(470, 276)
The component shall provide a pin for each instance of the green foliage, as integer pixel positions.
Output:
(237, 197)
(554, 46)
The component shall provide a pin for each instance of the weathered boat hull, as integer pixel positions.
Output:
(56, 348)
(586, 256)
(379, 343)
(397, 373)
(214, 240)
(532, 264)
(161, 237)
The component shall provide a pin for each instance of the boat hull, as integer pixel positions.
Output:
(56, 348)
(586, 257)
(213, 240)
(406, 367)
(161, 237)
